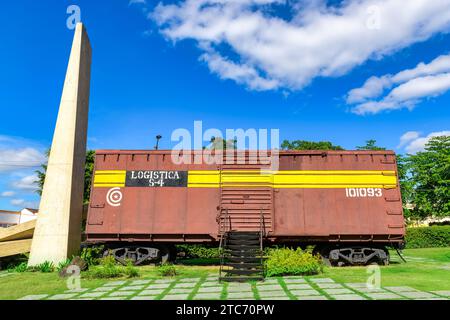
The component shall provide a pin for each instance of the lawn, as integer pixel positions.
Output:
(426, 270)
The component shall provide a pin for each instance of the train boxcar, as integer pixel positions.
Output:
(346, 203)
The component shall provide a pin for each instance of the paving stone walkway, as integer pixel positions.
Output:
(285, 288)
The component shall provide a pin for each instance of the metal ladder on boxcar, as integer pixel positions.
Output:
(245, 217)
(242, 252)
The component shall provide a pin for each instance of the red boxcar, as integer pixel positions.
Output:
(341, 201)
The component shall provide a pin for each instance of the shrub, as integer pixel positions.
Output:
(167, 270)
(63, 264)
(45, 267)
(428, 237)
(101, 272)
(130, 270)
(199, 251)
(92, 255)
(286, 261)
(23, 267)
(109, 269)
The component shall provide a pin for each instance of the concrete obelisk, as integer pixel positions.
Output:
(57, 234)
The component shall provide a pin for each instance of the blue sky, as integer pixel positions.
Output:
(259, 64)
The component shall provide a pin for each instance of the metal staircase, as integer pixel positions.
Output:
(245, 218)
(241, 253)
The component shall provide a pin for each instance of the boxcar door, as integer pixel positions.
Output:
(246, 197)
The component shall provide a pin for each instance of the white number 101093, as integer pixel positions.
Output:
(363, 192)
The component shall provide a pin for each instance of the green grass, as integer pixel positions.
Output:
(428, 275)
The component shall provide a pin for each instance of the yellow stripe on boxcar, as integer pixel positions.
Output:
(301, 179)
(110, 178)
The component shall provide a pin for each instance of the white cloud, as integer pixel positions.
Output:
(8, 194)
(17, 202)
(22, 203)
(408, 137)
(14, 159)
(412, 142)
(318, 40)
(410, 87)
(372, 88)
(242, 74)
(27, 183)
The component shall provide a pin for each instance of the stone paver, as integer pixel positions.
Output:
(207, 296)
(290, 280)
(132, 288)
(114, 298)
(167, 281)
(190, 280)
(347, 297)
(92, 295)
(139, 282)
(305, 292)
(185, 285)
(241, 287)
(322, 280)
(298, 286)
(209, 289)
(357, 285)
(401, 289)
(276, 298)
(270, 281)
(330, 285)
(104, 289)
(269, 287)
(176, 297)
(121, 293)
(268, 294)
(371, 290)
(180, 290)
(64, 296)
(383, 296)
(417, 295)
(76, 290)
(158, 286)
(114, 283)
(209, 284)
(35, 297)
(312, 298)
(154, 292)
(338, 291)
(144, 298)
(442, 293)
(240, 295)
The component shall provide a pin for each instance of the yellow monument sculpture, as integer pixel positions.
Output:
(57, 235)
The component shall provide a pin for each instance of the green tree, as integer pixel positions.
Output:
(218, 143)
(406, 185)
(370, 145)
(89, 169)
(429, 175)
(309, 145)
